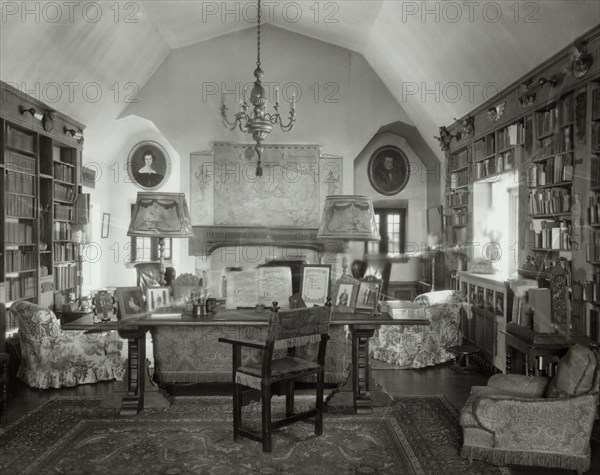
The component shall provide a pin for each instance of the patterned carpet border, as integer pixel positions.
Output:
(413, 436)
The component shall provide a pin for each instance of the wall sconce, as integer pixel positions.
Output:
(581, 60)
(530, 88)
(35, 114)
(76, 134)
(445, 138)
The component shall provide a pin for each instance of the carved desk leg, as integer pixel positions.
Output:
(363, 403)
(137, 390)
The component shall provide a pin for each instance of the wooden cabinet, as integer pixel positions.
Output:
(40, 167)
(488, 312)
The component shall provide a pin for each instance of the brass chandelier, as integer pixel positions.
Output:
(259, 123)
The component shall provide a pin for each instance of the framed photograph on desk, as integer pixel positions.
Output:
(344, 293)
(368, 294)
(104, 305)
(316, 284)
(157, 297)
(131, 302)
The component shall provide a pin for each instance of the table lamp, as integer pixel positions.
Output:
(160, 215)
(348, 218)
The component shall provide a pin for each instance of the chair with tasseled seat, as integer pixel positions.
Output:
(287, 329)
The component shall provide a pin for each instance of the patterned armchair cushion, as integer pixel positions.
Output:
(418, 346)
(52, 358)
(574, 374)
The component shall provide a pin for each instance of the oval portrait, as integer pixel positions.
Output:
(388, 170)
(148, 165)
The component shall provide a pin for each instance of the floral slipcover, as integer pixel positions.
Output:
(52, 358)
(417, 346)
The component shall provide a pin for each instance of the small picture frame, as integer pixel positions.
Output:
(368, 294)
(104, 306)
(157, 297)
(315, 286)
(344, 293)
(105, 225)
(131, 302)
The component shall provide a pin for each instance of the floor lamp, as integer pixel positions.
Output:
(160, 215)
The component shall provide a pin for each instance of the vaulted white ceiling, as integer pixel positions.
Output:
(439, 59)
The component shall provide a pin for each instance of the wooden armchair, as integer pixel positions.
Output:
(287, 329)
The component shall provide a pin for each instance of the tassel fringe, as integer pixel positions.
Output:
(579, 463)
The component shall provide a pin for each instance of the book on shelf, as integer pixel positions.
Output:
(18, 233)
(593, 248)
(19, 139)
(20, 183)
(259, 286)
(594, 209)
(549, 201)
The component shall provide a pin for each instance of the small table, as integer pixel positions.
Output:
(462, 353)
(531, 351)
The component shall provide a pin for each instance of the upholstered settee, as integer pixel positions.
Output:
(52, 358)
(418, 346)
(194, 354)
(530, 420)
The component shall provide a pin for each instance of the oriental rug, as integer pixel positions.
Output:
(414, 435)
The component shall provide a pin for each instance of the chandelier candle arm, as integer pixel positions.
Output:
(258, 123)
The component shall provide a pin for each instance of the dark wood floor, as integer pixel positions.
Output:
(435, 380)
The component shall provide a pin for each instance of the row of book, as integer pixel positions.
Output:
(21, 260)
(594, 209)
(595, 171)
(61, 231)
(486, 300)
(64, 251)
(487, 168)
(20, 183)
(549, 201)
(459, 160)
(18, 233)
(63, 172)
(458, 217)
(595, 136)
(20, 206)
(459, 179)
(593, 249)
(63, 211)
(596, 103)
(19, 162)
(458, 198)
(484, 147)
(65, 276)
(551, 235)
(20, 287)
(63, 192)
(558, 169)
(558, 143)
(19, 139)
(561, 114)
(514, 134)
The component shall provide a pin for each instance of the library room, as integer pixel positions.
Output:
(377, 217)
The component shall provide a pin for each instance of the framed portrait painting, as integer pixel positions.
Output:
(388, 170)
(131, 302)
(148, 165)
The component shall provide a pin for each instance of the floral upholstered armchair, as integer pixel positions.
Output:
(417, 346)
(531, 420)
(52, 358)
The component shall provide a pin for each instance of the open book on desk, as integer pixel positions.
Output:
(264, 285)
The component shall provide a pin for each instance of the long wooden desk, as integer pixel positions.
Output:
(140, 392)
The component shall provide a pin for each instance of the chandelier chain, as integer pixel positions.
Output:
(258, 15)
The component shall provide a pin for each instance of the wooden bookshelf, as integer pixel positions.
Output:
(550, 141)
(39, 169)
